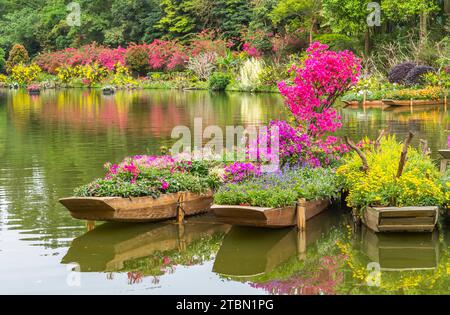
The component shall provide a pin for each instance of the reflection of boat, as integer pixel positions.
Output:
(137, 209)
(354, 104)
(250, 251)
(396, 252)
(110, 246)
(266, 217)
(401, 219)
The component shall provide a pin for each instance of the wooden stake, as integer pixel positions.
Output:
(402, 162)
(301, 214)
(180, 214)
(90, 225)
(352, 145)
(377, 142)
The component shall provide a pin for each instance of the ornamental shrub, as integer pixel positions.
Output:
(419, 184)
(415, 75)
(137, 59)
(25, 74)
(219, 81)
(17, 55)
(203, 64)
(398, 73)
(249, 74)
(322, 77)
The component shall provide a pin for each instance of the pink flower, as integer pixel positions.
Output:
(164, 185)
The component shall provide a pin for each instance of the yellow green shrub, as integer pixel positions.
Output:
(419, 185)
(122, 76)
(68, 73)
(23, 74)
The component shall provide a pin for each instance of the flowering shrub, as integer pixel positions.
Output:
(94, 73)
(110, 58)
(239, 171)
(137, 59)
(280, 189)
(166, 55)
(428, 93)
(251, 50)
(249, 73)
(324, 76)
(67, 73)
(144, 175)
(25, 74)
(419, 184)
(297, 148)
(202, 65)
(122, 76)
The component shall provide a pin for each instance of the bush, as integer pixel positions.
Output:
(17, 55)
(137, 59)
(428, 93)
(25, 74)
(2, 60)
(398, 73)
(338, 42)
(219, 81)
(250, 74)
(419, 184)
(203, 64)
(415, 75)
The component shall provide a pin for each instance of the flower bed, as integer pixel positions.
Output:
(280, 189)
(144, 175)
(428, 93)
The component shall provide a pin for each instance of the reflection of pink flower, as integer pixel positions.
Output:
(166, 260)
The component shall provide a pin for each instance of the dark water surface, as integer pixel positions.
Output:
(51, 143)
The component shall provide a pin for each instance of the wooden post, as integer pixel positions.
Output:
(443, 168)
(402, 162)
(301, 244)
(301, 214)
(364, 98)
(90, 225)
(411, 105)
(180, 214)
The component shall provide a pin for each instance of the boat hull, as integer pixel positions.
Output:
(266, 217)
(401, 219)
(137, 209)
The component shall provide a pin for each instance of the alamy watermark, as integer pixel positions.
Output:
(374, 17)
(74, 17)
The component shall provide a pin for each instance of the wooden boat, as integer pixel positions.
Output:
(403, 219)
(445, 153)
(137, 209)
(377, 103)
(249, 251)
(266, 217)
(351, 103)
(116, 246)
(401, 252)
(413, 102)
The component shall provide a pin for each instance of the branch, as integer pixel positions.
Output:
(425, 149)
(402, 162)
(377, 142)
(352, 145)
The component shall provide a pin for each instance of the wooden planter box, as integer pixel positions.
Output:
(266, 217)
(413, 102)
(137, 209)
(403, 219)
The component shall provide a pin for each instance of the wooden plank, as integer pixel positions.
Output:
(406, 228)
(407, 221)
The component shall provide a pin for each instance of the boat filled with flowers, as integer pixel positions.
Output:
(393, 187)
(271, 200)
(145, 188)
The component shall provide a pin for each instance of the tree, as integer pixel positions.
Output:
(17, 55)
(179, 18)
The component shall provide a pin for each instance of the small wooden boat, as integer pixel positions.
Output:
(401, 219)
(351, 103)
(400, 252)
(266, 217)
(413, 102)
(445, 153)
(137, 209)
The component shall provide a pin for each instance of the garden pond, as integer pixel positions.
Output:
(58, 140)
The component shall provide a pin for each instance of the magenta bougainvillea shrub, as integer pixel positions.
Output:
(323, 77)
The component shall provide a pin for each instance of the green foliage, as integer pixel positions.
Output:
(2, 60)
(281, 189)
(17, 55)
(338, 42)
(346, 16)
(178, 18)
(219, 81)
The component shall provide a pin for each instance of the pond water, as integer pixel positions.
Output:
(51, 143)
